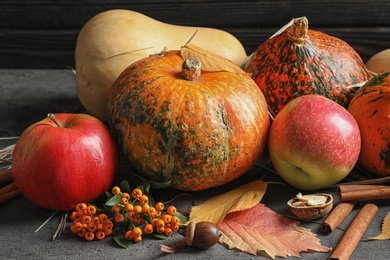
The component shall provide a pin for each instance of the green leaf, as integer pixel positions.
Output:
(101, 210)
(122, 241)
(159, 236)
(153, 184)
(151, 200)
(147, 218)
(114, 200)
(119, 230)
(146, 190)
(125, 186)
(183, 218)
(108, 209)
(146, 186)
(109, 194)
(142, 188)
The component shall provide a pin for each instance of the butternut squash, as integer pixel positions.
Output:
(114, 39)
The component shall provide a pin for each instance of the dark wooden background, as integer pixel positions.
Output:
(43, 33)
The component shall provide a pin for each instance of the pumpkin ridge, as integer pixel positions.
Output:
(375, 99)
(209, 151)
(312, 70)
(225, 126)
(373, 113)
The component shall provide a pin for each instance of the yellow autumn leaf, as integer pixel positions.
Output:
(209, 60)
(385, 229)
(238, 199)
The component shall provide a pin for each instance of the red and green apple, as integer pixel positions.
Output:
(314, 142)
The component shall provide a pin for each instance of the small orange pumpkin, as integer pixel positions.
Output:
(197, 133)
(371, 108)
(299, 61)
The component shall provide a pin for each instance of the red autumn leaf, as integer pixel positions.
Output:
(260, 230)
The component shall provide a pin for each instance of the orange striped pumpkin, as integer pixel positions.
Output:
(198, 134)
(299, 61)
(371, 108)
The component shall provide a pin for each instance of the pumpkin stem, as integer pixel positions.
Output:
(191, 69)
(297, 32)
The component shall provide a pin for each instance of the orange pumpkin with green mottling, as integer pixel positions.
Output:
(197, 134)
(299, 61)
(371, 108)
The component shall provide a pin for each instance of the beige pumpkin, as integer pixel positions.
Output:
(379, 62)
(114, 39)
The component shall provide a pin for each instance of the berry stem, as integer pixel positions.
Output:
(182, 195)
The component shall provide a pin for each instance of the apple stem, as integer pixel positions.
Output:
(54, 119)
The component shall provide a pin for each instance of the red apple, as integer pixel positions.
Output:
(63, 160)
(314, 142)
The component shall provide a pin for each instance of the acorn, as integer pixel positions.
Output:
(202, 235)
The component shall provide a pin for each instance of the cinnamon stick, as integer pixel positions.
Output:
(9, 192)
(338, 214)
(10, 187)
(362, 192)
(354, 233)
(6, 176)
(10, 195)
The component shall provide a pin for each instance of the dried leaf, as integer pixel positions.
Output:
(260, 230)
(241, 198)
(385, 229)
(284, 28)
(209, 61)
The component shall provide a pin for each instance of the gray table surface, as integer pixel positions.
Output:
(27, 96)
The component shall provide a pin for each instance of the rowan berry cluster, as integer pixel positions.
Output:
(132, 213)
(89, 225)
(143, 217)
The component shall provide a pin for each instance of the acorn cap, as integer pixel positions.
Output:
(190, 232)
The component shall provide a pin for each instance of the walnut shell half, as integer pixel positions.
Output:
(303, 210)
